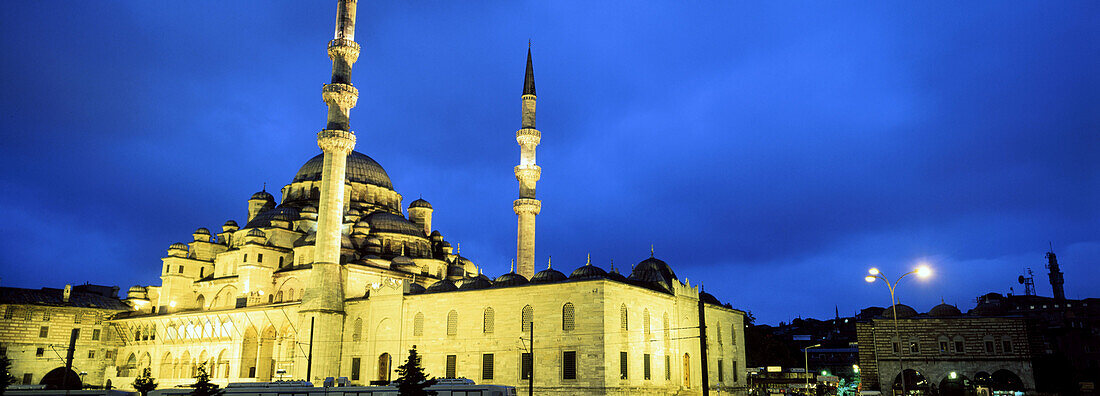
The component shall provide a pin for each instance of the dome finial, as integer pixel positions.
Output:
(588, 261)
(651, 250)
(512, 267)
(458, 247)
(548, 258)
(402, 250)
(265, 187)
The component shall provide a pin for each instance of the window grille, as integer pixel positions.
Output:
(624, 324)
(487, 366)
(569, 365)
(526, 364)
(452, 323)
(622, 365)
(452, 362)
(567, 317)
(646, 367)
(418, 324)
(44, 332)
(488, 320)
(645, 321)
(721, 376)
(527, 315)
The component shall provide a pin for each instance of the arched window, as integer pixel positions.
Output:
(667, 328)
(357, 330)
(944, 344)
(526, 316)
(718, 331)
(418, 324)
(567, 317)
(645, 322)
(624, 323)
(452, 323)
(488, 320)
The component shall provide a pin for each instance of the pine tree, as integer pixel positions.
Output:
(412, 380)
(5, 373)
(203, 387)
(145, 383)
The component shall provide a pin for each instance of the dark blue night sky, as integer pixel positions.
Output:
(772, 151)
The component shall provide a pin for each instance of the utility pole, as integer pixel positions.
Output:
(69, 359)
(309, 358)
(703, 347)
(531, 375)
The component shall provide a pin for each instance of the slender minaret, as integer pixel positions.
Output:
(322, 310)
(1056, 277)
(527, 173)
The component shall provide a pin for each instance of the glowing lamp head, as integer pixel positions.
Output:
(954, 375)
(869, 279)
(172, 304)
(873, 271)
(855, 368)
(923, 271)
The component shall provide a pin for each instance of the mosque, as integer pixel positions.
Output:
(336, 279)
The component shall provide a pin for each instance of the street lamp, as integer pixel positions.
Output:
(921, 271)
(807, 352)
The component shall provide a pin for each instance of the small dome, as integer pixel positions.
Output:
(654, 271)
(442, 286)
(904, 311)
(256, 232)
(456, 271)
(615, 275)
(416, 288)
(420, 203)
(548, 275)
(709, 298)
(943, 310)
(402, 260)
(178, 245)
(436, 233)
(280, 213)
(360, 169)
(462, 261)
(309, 209)
(510, 279)
(263, 196)
(230, 223)
(203, 231)
(475, 283)
(588, 272)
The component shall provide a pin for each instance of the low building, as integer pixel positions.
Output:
(38, 324)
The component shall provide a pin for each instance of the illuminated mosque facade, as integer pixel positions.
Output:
(336, 279)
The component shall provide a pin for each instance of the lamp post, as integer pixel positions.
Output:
(806, 351)
(922, 271)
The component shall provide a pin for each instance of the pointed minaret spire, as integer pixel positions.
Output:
(588, 261)
(528, 174)
(548, 258)
(323, 300)
(512, 267)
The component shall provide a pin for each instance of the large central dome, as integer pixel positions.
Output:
(361, 169)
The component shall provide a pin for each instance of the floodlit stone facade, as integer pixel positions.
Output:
(333, 280)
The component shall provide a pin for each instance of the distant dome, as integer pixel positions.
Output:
(588, 272)
(615, 275)
(709, 298)
(386, 222)
(230, 223)
(475, 283)
(654, 271)
(178, 245)
(987, 308)
(944, 310)
(256, 232)
(416, 288)
(548, 275)
(904, 311)
(360, 169)
(402, 260)
(420, 203)
(203, 231)
(442, 286)
(510, 279)
(263, 195)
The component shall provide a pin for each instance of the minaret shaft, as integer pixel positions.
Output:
(527, 173)
(322, 309)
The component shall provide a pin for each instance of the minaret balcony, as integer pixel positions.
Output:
(527, 205)
(343, 96)
(335, 140)
(528, 136)
(529, 173)
(344, 49)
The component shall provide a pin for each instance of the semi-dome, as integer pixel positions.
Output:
(280, 213)
(510, 279)
(548, 275)
(442, 286)
(263, 196)
(904, 311)
(256, 232)
(360, 169)
(386, 222)
(416, 288)
(654, 271)
(178, 245)
(588, 271)
(230, 223)
(420, 203)
(203, 231)
(475, 283)
(709, 298)
(310, 239)
(944, 310)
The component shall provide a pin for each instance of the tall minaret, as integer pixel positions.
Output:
(527, 173)
(322, 311)
(1057, 279)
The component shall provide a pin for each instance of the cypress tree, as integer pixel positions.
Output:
(412, 380)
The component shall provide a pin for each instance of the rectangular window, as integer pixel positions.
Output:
(76, 318)
(452, 361)
(110, 355)
(202, 271)
(525, 366)
(98, 318)
(989, 347)
(959, 347)
(95, 334)
(245, 258)
(46, 316)
(1007, 346)
(733, 371)
(355, 368)
(569, 365)
(9, 312)
(646, 368)
(943, 346)
(622, 365)
(896, 348)
(487, 366)
(28, 314)
(39, 352)
(181, 269)
(43, 332)
(280, 262)
(914, 347)
(668, 368)
(91, 354)
(260, 258)
(721, 377)
(27, 379)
